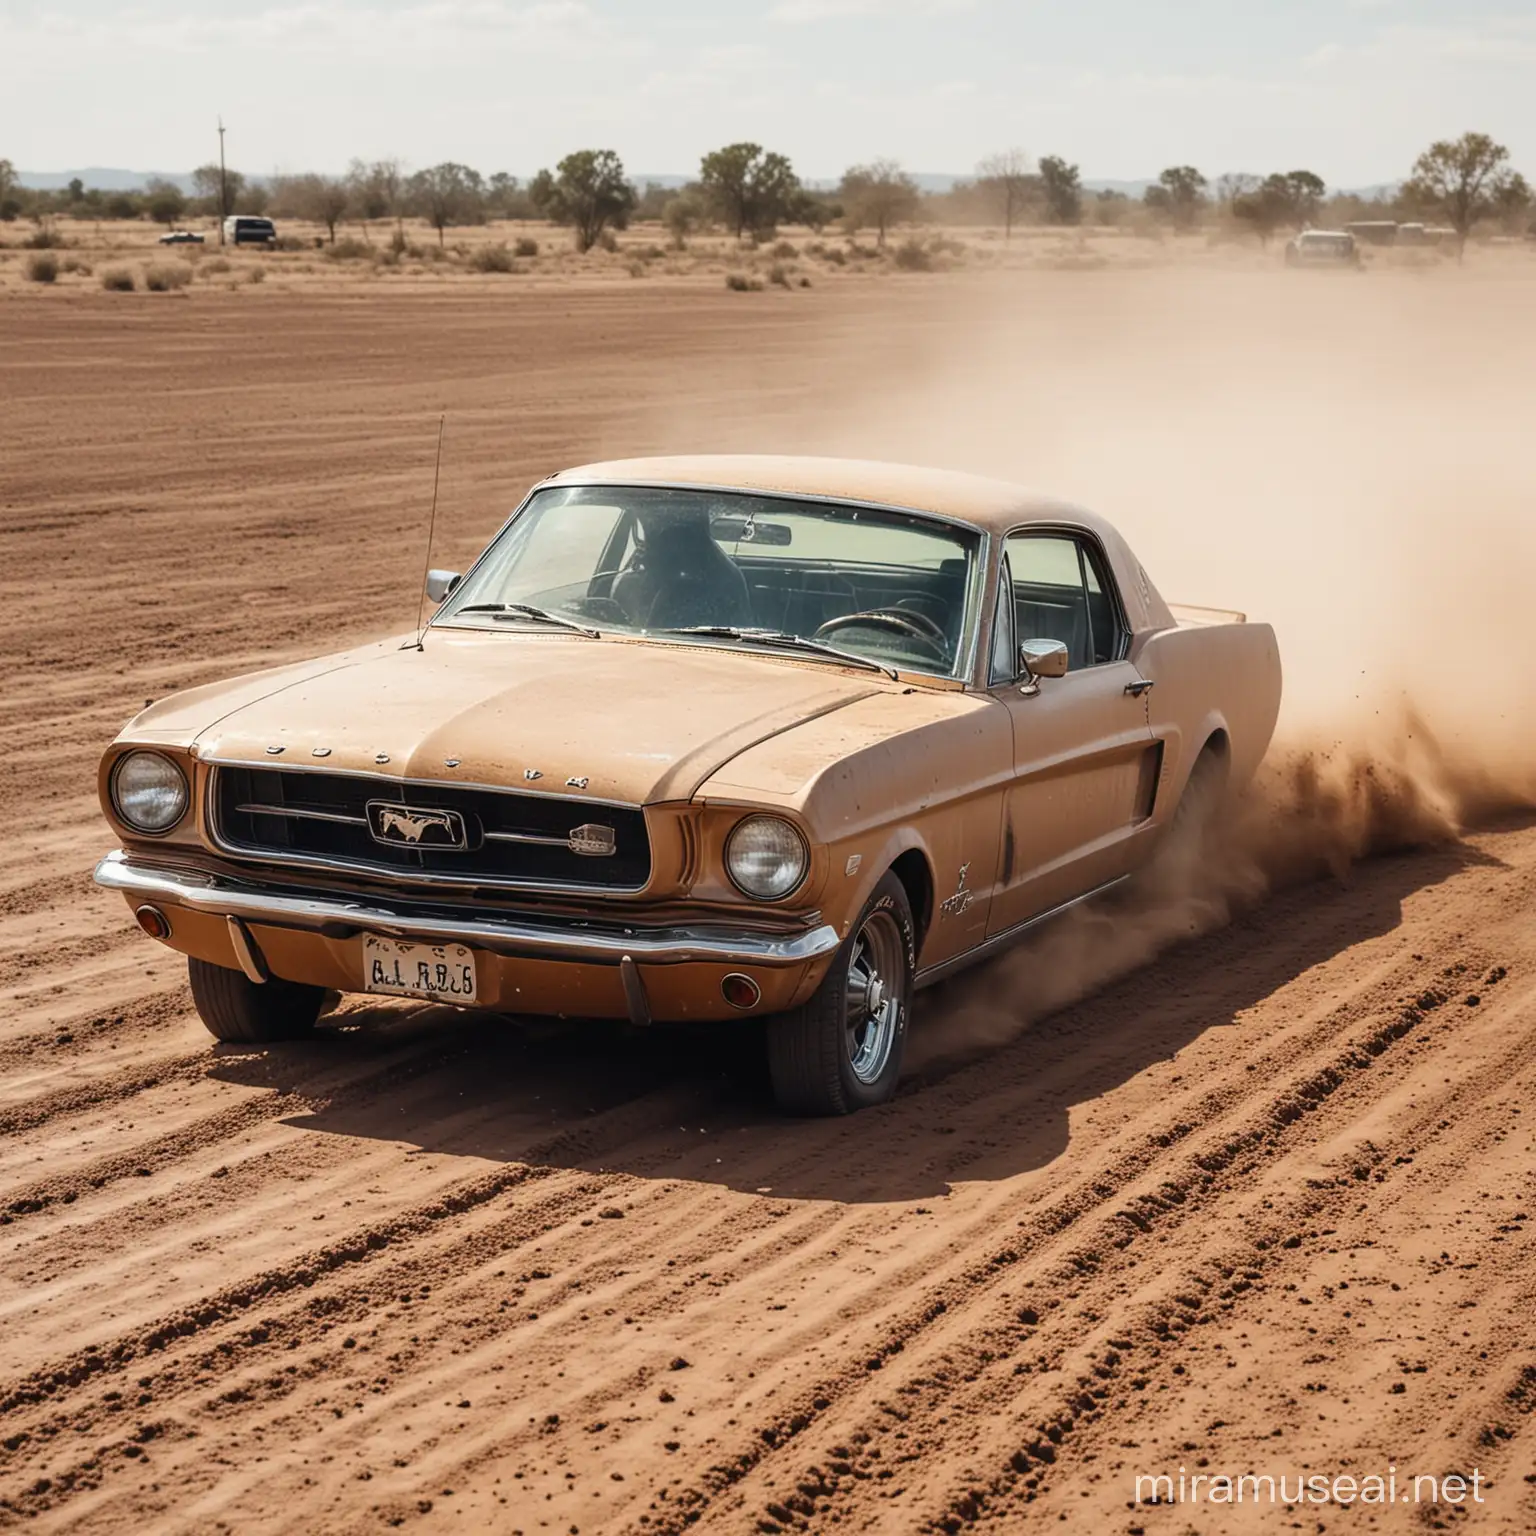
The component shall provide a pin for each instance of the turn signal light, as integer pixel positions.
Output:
(154, 922)
(740, 991)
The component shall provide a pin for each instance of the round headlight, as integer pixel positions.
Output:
(766, 857)
(149, 791)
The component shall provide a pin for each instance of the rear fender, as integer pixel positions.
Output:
(1215, 679)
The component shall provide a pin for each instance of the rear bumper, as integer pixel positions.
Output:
(530, 965)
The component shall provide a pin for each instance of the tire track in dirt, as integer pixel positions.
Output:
(1185, 1194)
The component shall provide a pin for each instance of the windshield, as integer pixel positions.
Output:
(887, 586)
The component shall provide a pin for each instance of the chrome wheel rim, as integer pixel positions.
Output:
(872, 999)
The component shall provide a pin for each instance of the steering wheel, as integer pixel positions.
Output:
(905, 621)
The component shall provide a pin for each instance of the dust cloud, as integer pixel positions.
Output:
(1345, 458)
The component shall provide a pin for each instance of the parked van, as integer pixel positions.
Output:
(243, 229)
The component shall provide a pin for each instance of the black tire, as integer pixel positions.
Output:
(1183, 845)
(233, 1007)
(832, 1054)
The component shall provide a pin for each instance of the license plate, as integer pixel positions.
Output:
(442, 973)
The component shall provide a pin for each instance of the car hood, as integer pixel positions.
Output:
(612, 720)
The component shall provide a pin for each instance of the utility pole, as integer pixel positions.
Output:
(223, 184)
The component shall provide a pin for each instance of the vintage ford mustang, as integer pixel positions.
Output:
(694, 739)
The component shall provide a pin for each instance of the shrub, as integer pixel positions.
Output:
(778, 274)
(74, 264)
(649, 253)
(913, 256)
(526, 247)
(165, 276)
(492, 258)
(785, 251)
(287, 243)
(739, 282)
(636, 267)
(256, 275)
(117, 280)
(398, 243)
(349, 249)
(43, 267)
(213, 268)
(834, 254)
(805, 282)
(44, 238)
(608, 241)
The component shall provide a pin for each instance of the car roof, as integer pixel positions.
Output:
(994, 505)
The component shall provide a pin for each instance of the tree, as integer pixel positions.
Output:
(1232, 186)
(1303, 192)
(1063, 190)
(325, 199)
(219, 190)
(7, 181)
(881, 194)
(501, 195)
(1512, 205)
(748, 187)
(682, 214)
(815, 210)
(588, 191)
(76, 189)
(1264, 209)
(1179, 193)
(1461, 180)
(1010, 185)
(445, 194)
(165, 201)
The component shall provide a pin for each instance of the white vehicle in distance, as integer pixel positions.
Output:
(245, 229)
(1322, 248)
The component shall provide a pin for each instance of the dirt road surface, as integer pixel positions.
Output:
(1262, 1203)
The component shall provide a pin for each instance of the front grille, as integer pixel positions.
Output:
(306, 815)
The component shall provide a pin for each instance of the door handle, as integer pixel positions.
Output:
(1139, 687)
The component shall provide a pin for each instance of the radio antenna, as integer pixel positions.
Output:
(421, 606)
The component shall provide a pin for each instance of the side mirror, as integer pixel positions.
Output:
(440, 584)
(1041, 658)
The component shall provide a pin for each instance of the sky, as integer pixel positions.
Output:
(1352, 89)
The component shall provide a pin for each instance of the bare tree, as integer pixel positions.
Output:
(327, 199)
(1010, 183)
(1461, 180)
(1233, 185)
(378, 190)
(446, 194)
(881, 194)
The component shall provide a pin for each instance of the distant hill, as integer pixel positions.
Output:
(108, 178)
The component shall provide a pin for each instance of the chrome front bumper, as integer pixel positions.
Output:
(540, 939)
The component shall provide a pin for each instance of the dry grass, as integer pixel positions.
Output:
(544, 257)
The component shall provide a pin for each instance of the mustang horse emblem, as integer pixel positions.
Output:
(422, 829)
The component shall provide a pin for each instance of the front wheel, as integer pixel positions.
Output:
(233, 1007)
(841, 1049)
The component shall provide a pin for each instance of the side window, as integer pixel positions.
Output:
(1062, 592)
(1005, 651)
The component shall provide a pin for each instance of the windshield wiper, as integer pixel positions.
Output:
(780, 638)
(527, 611)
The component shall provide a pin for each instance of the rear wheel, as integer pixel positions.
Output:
(233, 1007)
(1183, 844)
(841, 1050)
